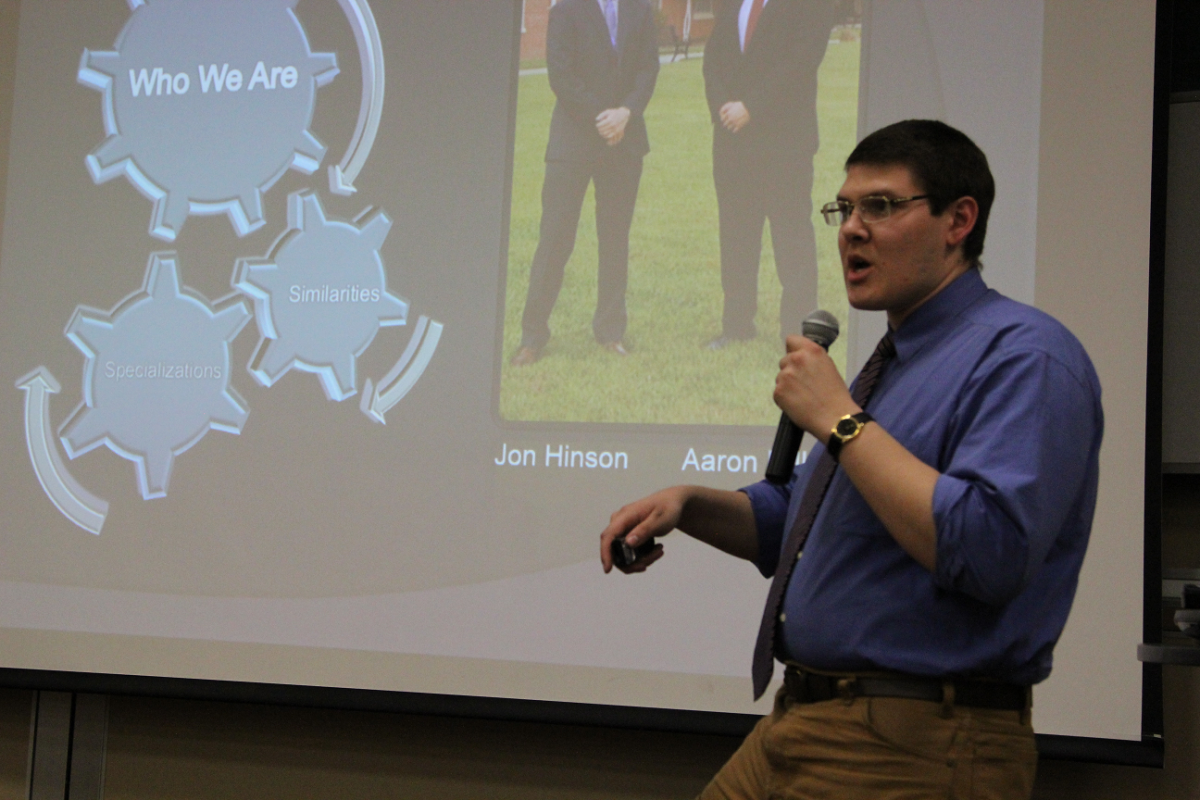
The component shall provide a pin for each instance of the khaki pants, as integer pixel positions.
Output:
(880, 748)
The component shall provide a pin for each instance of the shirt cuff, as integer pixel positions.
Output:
(961, 521)
(769, 502)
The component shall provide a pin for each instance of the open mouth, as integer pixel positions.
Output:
(856, 266)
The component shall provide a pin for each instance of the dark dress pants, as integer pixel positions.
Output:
(616, 177)
(755, 184)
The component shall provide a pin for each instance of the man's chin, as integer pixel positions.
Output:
(865, 303)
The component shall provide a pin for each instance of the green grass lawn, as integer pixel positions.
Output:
(674, 295)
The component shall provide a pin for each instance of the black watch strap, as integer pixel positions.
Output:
(847, 428)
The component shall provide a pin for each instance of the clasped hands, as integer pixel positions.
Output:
(610, 124)
(734, 115)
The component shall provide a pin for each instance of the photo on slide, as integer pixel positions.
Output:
(674, 298)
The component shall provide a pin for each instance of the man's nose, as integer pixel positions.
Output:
(853, 227)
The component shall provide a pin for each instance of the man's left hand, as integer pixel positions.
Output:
(896, 484)
(809, 389)
(734, 116)
(611, 122)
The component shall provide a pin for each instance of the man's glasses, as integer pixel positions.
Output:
(875, 208)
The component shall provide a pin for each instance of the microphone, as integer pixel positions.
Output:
(820, 327)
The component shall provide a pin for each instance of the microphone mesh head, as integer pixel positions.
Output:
(821, 327)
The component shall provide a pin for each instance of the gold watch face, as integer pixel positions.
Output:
(847, 427)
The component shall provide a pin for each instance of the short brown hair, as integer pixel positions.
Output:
(945, 164)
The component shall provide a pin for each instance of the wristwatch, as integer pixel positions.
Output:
(846, 429)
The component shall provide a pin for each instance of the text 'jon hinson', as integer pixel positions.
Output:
(561, 456)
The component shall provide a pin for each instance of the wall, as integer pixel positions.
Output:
(160, 748)
(191, 750)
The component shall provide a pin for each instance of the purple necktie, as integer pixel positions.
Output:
(752, 22)
(610, 16)
(818, 483)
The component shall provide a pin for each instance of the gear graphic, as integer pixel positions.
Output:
(156, 374)
(320, 296)
(206, 105)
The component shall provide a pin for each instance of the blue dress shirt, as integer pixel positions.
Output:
(1003, 401)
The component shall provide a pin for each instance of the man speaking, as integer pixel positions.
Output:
(926, 554)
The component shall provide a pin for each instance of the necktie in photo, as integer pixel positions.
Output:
(818, 483)
(752, 22)
(610, 16)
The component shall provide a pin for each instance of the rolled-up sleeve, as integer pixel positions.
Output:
(1021, 445)
(772, 504)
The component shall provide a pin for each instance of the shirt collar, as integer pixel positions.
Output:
(928, 322)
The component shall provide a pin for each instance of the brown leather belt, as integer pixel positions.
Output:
(810, 687)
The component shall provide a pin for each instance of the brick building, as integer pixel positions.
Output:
(678, 19)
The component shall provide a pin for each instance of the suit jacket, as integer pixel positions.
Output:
(588, 75)
(776, 77)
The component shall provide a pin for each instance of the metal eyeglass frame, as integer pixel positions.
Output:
(837, 212)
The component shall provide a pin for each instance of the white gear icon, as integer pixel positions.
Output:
(206, 106)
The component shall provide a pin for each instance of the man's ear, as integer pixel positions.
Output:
(963, 214)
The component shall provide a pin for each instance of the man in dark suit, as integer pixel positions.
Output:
(760, 76)
(602, 59)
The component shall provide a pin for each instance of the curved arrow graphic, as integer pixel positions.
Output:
(370, 51)
(378, 400)
(76, 503)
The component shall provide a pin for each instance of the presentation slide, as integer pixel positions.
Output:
(263, 267)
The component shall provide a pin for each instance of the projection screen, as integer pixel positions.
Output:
(261, 273)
